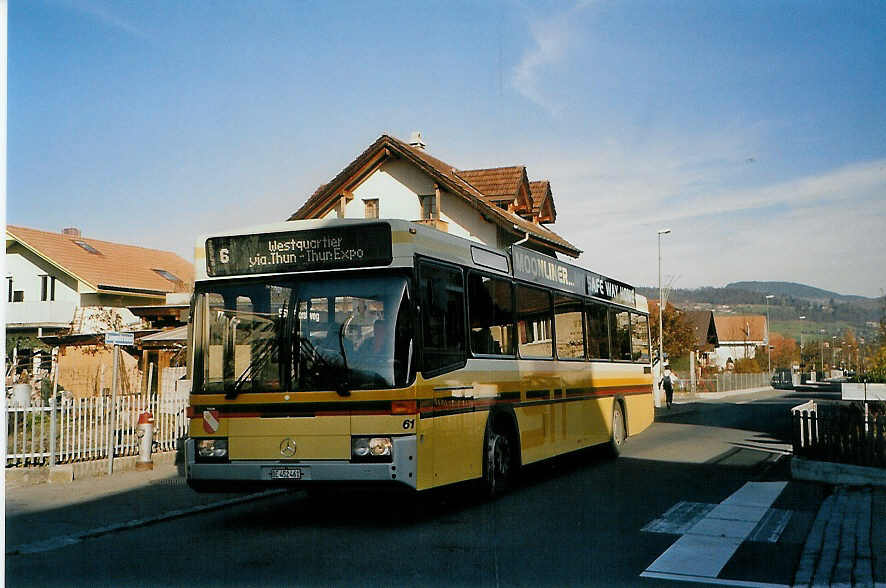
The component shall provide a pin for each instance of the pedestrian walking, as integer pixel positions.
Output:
(668, 380)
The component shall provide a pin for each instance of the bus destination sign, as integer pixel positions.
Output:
(542, 269)
(297, 251)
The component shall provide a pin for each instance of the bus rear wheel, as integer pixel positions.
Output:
(497, 463)
(619, 430)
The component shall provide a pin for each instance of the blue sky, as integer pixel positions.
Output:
(756, 131)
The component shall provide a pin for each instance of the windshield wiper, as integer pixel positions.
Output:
(265, 351)
(341, 386)
(326, 367)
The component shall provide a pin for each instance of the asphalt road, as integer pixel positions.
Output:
(576, 521)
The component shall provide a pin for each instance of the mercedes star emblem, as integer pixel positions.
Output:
(287, 447)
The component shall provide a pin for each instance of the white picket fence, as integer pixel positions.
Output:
(83, 429)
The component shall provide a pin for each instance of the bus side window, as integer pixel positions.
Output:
(620, 334)
(598, 331)
(568, 327)
(640, 338)
(491, 312)
(443, 318)
(534, 314)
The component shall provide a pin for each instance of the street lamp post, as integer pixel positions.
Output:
(821, 349)
(660, 313)
(768, 346)
(802, 317)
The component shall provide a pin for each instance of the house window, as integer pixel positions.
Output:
(9, 289)
(47, 288)
(18, 296)
(370, 208)
(428, 207)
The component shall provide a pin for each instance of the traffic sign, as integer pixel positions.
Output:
(119, 339)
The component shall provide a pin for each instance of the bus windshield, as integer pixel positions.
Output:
(288, 334)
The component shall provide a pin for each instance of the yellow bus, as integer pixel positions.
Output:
(386, 351)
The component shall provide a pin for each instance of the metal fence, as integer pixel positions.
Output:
(83, 429)
(725, 383)
(839, 432)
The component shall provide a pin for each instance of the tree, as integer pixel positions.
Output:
(878, 361)
(750, 365)
(850, 347)
(679, 337)
(784, 351)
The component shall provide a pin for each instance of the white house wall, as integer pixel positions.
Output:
(736, 351)
(26, 270)
(398, 184)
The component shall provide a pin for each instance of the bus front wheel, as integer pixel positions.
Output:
(497, 463)
(619, 430)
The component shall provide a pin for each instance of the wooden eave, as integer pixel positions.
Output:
(345, 186)
(524, 198)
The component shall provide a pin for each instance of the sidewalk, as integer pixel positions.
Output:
(847, 543)
(43, 517)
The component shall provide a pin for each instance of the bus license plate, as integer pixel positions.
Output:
(286, 473)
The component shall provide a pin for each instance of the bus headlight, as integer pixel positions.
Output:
(371, 448)
(360, 447)
(212, 448)
(380, 446)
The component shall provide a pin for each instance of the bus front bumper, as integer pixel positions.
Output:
(224, 476)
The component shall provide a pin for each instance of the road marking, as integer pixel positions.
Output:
(708, 545)
(703, 579)
(65, 540)
(679, 518)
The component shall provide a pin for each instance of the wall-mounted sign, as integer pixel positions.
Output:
(296, 251)
(119, 339)
(542, 269)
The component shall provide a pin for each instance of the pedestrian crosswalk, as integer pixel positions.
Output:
(711, 534)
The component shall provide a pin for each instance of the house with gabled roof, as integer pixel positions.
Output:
(67, 283)
(739, 336)
(393, 178)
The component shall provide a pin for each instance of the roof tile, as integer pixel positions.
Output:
(114, 264)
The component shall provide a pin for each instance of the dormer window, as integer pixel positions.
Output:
(370, 207)
(428, 207)
(89, 248)
(165, 274)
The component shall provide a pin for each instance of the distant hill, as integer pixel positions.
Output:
(830, 309)
(794, 290)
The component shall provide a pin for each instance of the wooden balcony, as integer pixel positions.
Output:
(440, 225)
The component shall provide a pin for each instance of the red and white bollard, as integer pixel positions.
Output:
(146, 441)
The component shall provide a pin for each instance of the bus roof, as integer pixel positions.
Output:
(345, 244)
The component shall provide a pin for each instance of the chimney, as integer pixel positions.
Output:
(71, 232)
(415, 140)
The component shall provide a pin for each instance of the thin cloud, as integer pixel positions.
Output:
(553, 38)
(851, 182)
(101, 13)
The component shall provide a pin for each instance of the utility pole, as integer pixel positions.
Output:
(768, 346)
(660, 313)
